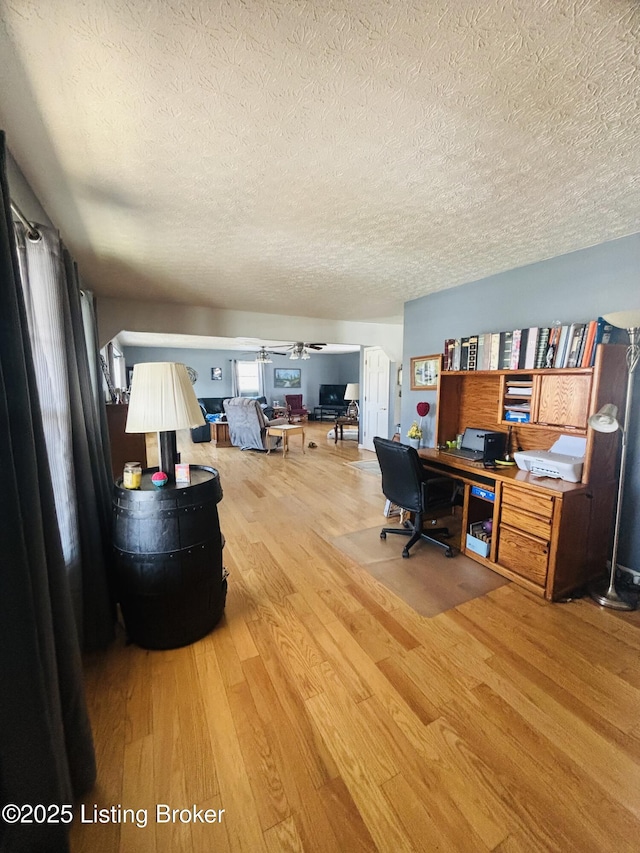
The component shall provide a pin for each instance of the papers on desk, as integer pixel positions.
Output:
(570, 445)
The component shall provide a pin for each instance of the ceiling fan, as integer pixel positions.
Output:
(301, 349)
(263, 356)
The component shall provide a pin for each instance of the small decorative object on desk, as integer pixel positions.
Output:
(132, 475)
(183, 475)
(159, 479)
(414, 435)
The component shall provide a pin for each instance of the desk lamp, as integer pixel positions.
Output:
(606, 420)
(163, 400)
(352, 393)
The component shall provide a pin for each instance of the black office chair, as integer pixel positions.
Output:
(408, 485)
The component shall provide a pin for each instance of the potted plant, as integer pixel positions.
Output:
(414, 435)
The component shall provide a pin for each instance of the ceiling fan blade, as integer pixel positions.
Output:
(315, 346)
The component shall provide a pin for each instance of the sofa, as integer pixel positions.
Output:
(209, 406)
(248, 424)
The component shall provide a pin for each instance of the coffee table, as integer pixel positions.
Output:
(284, 431)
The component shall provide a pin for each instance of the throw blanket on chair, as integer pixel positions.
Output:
(248, 424)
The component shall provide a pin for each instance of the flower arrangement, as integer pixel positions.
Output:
(414, 431)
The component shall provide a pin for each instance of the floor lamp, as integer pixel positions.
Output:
(162, 400)
(606, 420)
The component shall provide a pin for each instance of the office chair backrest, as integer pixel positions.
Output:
(402, 473)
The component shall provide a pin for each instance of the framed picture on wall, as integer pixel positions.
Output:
(286, 377)
(216, 373)
(425, 370)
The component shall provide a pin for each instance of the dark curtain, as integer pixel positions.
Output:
(46, 748)
(92, 471)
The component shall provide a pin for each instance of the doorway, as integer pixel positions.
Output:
(375, 411)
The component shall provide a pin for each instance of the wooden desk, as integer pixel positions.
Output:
(341, 423)
(546, 535)
(285, 430)
(549, 536)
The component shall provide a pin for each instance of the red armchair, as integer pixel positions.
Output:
(296, 411)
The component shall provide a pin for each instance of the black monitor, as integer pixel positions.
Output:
(332, 395)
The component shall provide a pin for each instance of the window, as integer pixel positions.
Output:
(248, 379)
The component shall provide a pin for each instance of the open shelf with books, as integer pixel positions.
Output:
(558, 346)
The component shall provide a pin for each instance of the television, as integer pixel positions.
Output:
(333, 395)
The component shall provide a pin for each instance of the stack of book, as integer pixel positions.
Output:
(570, 345)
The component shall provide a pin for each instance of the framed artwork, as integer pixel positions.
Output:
(425, 370)
(286, 377)
(216, 373)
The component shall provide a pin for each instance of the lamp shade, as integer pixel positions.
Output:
(624, 319)
(162, 399)
(352, 391)
(605, 420)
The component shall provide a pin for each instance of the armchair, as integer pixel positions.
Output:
(296, 410)
(248, 424)
(408, 485)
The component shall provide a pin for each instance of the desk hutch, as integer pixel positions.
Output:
(548, 535)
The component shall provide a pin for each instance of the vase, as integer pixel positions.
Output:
(414, 442)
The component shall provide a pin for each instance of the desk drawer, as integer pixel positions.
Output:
(529, 501)
(523, 554)
(526, 522)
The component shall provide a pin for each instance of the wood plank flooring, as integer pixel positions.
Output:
(324, 714)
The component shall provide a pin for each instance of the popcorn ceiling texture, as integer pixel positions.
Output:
(324, 158)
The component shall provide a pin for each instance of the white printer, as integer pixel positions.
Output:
(563, 461)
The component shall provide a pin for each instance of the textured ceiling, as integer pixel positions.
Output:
(322, 159)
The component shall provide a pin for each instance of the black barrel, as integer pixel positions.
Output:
(170, 579)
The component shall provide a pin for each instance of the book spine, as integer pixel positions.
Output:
(480, 360)
(589, 345)
(541, 350)
(486, 358)
(472, 363)
(578, 331)
(494, 362)
(506, 342)
(456, 354)
(532, 343)
(515, 349)
(464, 353)
(449, 346)
(561, 347)
(603, 336)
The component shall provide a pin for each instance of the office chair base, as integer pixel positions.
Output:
(416, 536)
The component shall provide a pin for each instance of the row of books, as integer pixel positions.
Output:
(570, 345)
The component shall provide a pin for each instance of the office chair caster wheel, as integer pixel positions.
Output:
(406, 525)
(448, 553)
(405, 553)
(383, 535)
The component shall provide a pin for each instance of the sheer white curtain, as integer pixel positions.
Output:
(42, 272)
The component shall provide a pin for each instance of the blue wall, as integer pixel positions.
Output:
(317, 370)
(571, 288)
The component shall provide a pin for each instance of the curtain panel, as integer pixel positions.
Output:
(46, 747)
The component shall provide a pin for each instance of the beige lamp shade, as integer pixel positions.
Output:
(162, 399)
(624, 319)
(352, 391)
(605, 420)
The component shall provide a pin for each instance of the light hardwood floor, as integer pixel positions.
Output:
(324, 714)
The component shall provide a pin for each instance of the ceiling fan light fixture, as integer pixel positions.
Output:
(305, 355)
(294, 355)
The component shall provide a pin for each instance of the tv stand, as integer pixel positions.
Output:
(332, 412)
